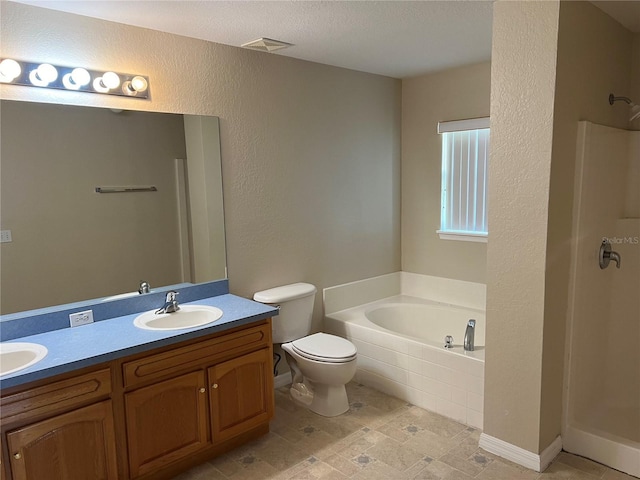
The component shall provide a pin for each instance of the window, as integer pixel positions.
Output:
(465, 152)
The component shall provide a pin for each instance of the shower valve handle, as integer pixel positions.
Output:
(606, 255)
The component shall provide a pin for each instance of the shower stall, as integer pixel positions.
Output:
(602, 382)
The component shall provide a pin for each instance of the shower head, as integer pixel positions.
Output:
(635, 109)
(613, 99)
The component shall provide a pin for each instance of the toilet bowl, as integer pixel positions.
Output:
(321, 364)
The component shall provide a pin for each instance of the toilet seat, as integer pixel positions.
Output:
(326, 348)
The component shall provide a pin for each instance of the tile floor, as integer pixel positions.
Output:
(381, 437)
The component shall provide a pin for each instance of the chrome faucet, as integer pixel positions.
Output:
(170, 304)
(469, 335)
(144, 287)
(606, 255)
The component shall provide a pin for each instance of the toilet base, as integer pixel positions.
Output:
(325, 400)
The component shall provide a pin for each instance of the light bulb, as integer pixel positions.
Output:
(127, 89)
(78, 78)
(134, 86)
(68, 82)
(47, 72)
(139, 84)
(111, 80)
(43, 75)
(9, 70)
(99, 86)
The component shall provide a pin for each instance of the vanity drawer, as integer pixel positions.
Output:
(201, 354)
(56, 396)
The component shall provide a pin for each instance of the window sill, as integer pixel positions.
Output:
(462, 236)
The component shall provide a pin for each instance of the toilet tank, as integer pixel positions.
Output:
(295, 302)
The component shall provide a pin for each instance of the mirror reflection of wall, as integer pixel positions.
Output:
(70, 243)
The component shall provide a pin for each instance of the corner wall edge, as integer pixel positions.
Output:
(518, 455)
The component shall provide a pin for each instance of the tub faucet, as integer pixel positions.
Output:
(170, 304)
(469, 335)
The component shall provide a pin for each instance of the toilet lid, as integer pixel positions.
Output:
(323, 347)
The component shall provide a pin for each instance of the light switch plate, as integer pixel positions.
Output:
(81, 318)
(5, 236)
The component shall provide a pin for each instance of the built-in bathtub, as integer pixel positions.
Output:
(400, 340)
(426, 321)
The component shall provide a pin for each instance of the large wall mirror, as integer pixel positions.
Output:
(68, 242)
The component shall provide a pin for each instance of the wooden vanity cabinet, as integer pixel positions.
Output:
(166, 421)
(192, 402)
(241, 395)
(75, 445)
(3, 475)
(146, 416)
(63, 430)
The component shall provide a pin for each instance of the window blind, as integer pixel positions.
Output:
(464, 176)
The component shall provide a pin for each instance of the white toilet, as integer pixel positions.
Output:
(321, 364)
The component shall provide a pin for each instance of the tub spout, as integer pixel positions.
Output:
(469, 335)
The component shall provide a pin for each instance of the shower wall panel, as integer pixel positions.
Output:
(603, 396)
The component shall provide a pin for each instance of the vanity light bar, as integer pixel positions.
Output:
(46, 75)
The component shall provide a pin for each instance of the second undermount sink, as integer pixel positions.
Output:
(188, 316)
(15, 356)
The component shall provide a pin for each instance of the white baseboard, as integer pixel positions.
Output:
(519, 455)
(282, 380)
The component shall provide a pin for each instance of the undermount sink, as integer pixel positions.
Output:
(18, 355)
(188, 316)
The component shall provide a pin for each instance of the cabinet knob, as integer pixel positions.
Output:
(215, 385)
(17, 456)
(202, 390)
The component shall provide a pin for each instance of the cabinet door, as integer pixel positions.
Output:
(241, 394)
(74, 446)
(2, 465)
(166, 421)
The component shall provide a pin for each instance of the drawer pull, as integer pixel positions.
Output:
(215, 385)
(17, 456)
(202, 390)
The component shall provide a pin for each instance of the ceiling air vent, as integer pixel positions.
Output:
(266, 45)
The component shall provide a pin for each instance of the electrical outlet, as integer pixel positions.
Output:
(5, 236)
(81, 318)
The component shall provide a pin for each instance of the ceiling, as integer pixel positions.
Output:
(395, 38)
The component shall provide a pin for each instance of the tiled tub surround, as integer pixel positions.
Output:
(113, 335)
(416, 368)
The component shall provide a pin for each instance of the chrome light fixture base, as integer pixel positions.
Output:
(78, 79)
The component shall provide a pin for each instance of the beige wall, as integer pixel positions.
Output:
(310, 153)
(70, 243)
(536, 101)
(522, 96)
(450, 95)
